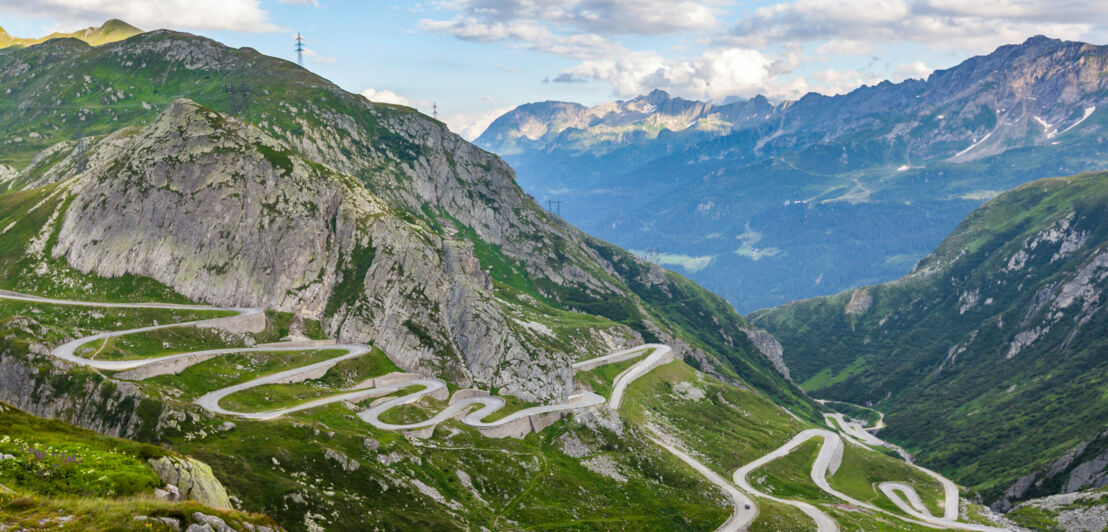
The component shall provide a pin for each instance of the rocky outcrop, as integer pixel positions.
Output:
(194, 480)
(860, 301)
(44, 387)
(770, 348)
(1071, 512)
(1083, 467)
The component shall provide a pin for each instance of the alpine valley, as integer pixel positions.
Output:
(765, 203)
(235, 297)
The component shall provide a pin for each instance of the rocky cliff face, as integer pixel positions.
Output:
(988, 359)
(224, 213)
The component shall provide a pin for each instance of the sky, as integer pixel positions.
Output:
(476, 59)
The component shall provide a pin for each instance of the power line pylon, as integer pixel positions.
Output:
(435, 110)
(238, 98)
(299, 49)
(554, 206)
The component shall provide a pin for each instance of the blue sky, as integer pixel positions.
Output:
(479, 58)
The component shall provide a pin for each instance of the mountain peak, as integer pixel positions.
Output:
(658, 93)
(1038, 40)
(117, 26)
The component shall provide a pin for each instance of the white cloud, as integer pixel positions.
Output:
(234, 15)
(470, 126)
(578, 29)
(524, 34)
(386, 96)
(313, 3)
(914, 69)
(608, 17)
(717, 74)
(977, 26)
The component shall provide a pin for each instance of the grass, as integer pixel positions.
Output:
(54, 458)
(789, 477)
(528, 481)
(744, 425)
(338, 379)
(776, 517)
(175, 340)
(228, 370)
(161, 342)
(62, 322)
(862, 470)
(423, 409)
(91, 514)
(602, 378)
(862, 519)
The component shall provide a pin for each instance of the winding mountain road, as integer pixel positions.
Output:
(473, 407)
(658, 355)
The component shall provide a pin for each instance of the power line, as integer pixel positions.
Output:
(299, 49)
(435, 110)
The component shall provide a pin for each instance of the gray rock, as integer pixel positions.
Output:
(212, 522)
(169, 493)
(194, 479)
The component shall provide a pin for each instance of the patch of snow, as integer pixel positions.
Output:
(1047, 128)
(903, 167)
(1088, 112)
(974, 145)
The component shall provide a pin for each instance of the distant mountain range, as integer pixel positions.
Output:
(110, 31)
(766, 203)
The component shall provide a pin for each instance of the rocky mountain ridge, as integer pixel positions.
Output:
(796, 199)
(111, 31)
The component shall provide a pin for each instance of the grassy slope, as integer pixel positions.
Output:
(973, 414)
(86, 480)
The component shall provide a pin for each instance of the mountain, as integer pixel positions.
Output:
(989, 358)
(379, 201)
(111, 31)
(767, 203)
(350, 221)
(599, 130)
